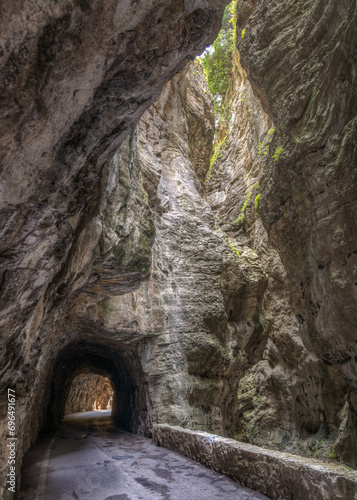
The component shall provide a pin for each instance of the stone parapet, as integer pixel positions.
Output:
(281, 476)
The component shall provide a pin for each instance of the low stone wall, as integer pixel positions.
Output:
(281, 476)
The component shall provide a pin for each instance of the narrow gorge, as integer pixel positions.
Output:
(185, 261)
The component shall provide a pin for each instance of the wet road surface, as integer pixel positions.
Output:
(90, 459)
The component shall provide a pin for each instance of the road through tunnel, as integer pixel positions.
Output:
(88, 376)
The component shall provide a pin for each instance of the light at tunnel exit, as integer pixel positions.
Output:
(89, 392)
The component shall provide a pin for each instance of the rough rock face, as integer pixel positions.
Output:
(89, 392)
(174, 326)
(301, 58)
(75, 78)
(166, 339)
(287, 398)
(133, 268)
(151, 335)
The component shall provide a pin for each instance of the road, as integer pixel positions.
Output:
(88, 458)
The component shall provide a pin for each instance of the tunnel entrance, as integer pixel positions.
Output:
(89, 377)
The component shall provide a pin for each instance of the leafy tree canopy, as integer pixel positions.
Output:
(217, 60)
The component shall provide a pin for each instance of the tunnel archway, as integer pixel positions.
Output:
(129, 410)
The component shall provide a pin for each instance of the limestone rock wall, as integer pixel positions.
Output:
(287, 398)
(185, 335)
(134, 267)
(301, 60)
(148, 306)
(75, 79)
(220, 347)
(176, 321)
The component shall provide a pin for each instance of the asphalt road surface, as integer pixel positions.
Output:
(90, 459)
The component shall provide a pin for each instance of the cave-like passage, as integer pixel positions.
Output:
(98, 454)
(89, 377)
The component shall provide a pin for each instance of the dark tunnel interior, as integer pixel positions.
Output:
(128, 410)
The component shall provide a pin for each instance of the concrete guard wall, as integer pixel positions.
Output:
(280, 476)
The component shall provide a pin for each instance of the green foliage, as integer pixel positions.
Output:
(257, 198)
(277, 153)
(243, 33)
(256, 201)
(235, 249)
(217, 153)
(183, 202)
(217, 60)
(232, 244)
(201, 79)
(263, 147)
(241, 216)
